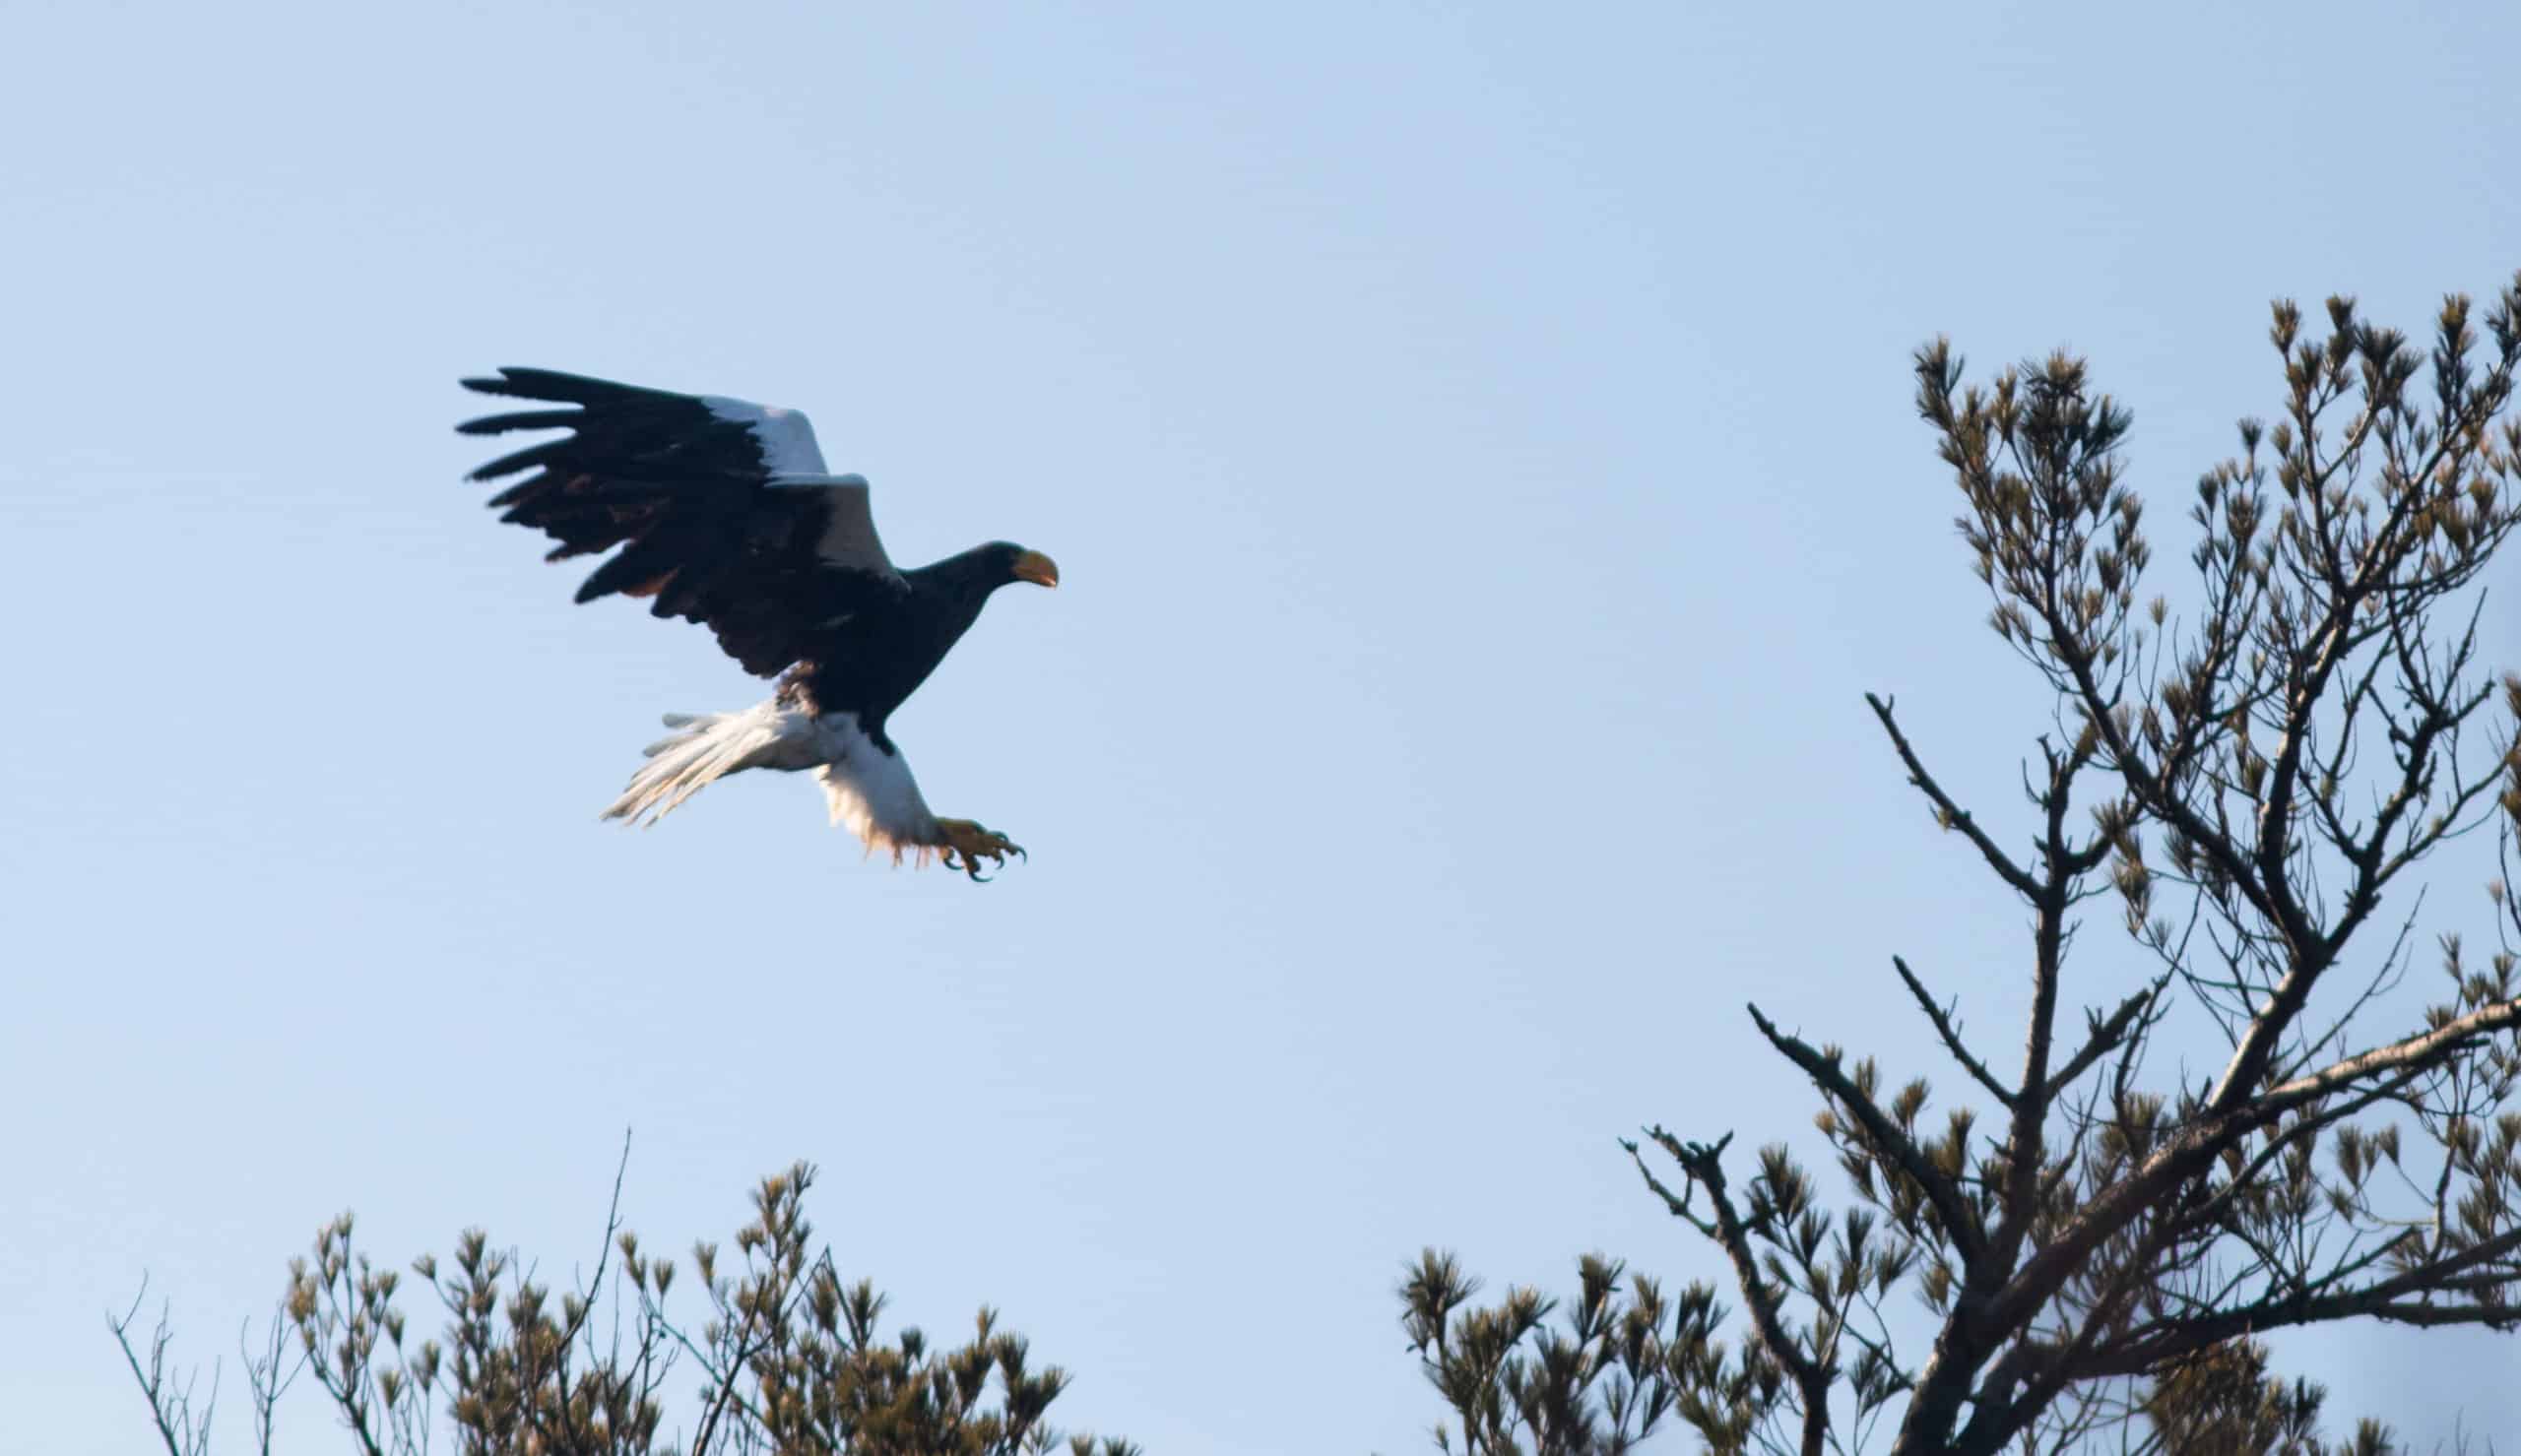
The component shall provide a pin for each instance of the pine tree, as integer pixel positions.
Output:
(788, 1358)
(2092, 1243)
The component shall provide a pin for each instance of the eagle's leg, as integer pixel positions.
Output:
(967, 844)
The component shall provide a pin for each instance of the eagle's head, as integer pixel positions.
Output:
(1008, 563)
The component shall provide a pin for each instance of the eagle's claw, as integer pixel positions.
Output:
(968, 842)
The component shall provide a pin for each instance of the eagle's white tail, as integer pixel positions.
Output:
(708, 746)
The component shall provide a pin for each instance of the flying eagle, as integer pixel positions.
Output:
(725, 515)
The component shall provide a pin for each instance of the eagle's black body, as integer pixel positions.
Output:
(725, 518)
(871, 663)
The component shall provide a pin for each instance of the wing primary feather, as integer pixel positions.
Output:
(523, 491)
(526, 419)
(532, 455)
(642, 560)
(517, 382)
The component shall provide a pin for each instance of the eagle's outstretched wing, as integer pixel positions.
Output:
(722, 508)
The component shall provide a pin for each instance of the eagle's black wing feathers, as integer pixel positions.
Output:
(685, 485)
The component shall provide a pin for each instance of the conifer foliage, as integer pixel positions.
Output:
(2256, 779)
(788, 1358)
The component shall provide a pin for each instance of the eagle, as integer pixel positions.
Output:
(723, 514)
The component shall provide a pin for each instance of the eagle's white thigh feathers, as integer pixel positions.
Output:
(872, 791)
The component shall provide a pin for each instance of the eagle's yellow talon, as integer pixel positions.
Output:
(967, 844)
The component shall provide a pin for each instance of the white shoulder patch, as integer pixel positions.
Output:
(800, 480)
(787, 437)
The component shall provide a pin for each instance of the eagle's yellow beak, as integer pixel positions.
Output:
(1038, 569)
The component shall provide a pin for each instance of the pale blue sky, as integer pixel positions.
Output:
(1476, 441)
